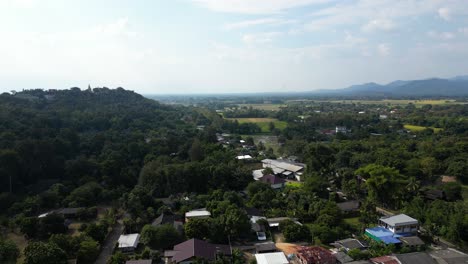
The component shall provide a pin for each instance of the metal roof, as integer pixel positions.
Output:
(398, 220)
(198, 213)
(271, 258)
(130, 240)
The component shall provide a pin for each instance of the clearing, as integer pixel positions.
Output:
(414, 128)
(266, 107)
(263, 123)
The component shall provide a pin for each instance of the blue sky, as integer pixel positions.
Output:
(206, 46)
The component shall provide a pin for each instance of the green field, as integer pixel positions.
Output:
(263, 123)
(266, 107)
(294, 184)
(414, 128)
(417, 103)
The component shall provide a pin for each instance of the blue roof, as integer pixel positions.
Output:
(389, 240)
(379, 232)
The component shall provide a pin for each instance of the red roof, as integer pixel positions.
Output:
(198, 248)
(312, 255)
(385, 260)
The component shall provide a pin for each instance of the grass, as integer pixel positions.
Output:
(294, 184)
(268, 141)
(21, 242)
(418, 103)
(354, 222)
(266, 107)
(414, 128)
(263, 123)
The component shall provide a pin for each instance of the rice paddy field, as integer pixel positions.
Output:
(266, 107)
(418, 103)
(263, 123)
(414, 128)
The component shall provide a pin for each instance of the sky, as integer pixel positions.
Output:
(228, 46)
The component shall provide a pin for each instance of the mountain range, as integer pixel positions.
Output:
(457, 86)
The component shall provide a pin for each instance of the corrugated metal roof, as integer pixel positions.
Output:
(400, 219)
(271, 258)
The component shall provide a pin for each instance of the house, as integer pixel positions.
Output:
(314, 255)
(412, 241)
(169, 219)
(70, 212)
(341, 129)
(449, 255)
(265, 247)
(271, 258)
(400, 224)
(197, 213)
(259, 231)
(274, 222)
(415, 258)
(192, 249)
(349, 244)
(128, 243)
(434, 195)
(383, 116)
(285, 168)
(385, 260)
(244, 157)
(342, 257)
(140, 261)
(349, 206)
(275, 182)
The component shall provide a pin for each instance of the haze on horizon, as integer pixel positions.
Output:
(226, 46)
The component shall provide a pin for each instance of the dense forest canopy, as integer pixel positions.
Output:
(128, 159)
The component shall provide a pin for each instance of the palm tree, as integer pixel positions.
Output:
(412, 185)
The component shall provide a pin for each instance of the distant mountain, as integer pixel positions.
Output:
(457, 86)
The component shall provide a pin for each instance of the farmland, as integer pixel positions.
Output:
(263, 123)
(266, 107)
(414, 128)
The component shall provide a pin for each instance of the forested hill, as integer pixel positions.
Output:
(75, 136)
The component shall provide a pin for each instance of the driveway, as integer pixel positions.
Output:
(109, 243)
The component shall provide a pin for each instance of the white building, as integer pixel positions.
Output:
(399, 224)
(285, 168)
(341, 129)
(128, 243)
(244, 157)
(271, 258)
(197, 213)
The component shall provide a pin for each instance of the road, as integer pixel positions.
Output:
(109, 243)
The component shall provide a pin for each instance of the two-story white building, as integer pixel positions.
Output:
(400, 224)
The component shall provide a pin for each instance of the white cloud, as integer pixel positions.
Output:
(445, 13)
(256, 22)
(378, 25)
(383, 49)
(266, 37)
(376, 15)
(115, 29)
(441, 35)
(255, 6)
(19, 3)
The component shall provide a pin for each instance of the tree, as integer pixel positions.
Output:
(117, 258)
(198, 228)
(161, 237)
(452, 191)
(196, 152)
(97, 232)
(9, 252)
(40, 253)
(29, 226)
(294, 232)
(88, 251)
